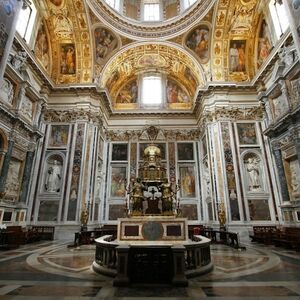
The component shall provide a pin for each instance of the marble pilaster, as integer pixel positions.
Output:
(281, 175)
(5, 165)
(26, 176)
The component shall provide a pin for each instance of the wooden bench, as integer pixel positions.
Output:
(288, 237)
(43, 232)
(12, 237)
(263, 234)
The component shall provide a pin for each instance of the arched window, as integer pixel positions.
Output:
(152, 90)
(279, 17)
(151, 11)
(114, 4)
(188, 3)
(26, 21)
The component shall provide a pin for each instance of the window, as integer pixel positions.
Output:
(26, 21)
(188, 3)
(114, 4)
(152, 90)
(279, 17)
(151, 12)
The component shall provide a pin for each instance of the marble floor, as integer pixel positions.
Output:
(51, 270)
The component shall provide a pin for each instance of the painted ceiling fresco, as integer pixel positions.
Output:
(228, 44)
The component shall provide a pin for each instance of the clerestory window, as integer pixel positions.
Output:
(26, 21)
(151, 12)
(152, 90)
(279, 17)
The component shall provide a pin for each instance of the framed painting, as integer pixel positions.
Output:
(59, 136)
(237, 56)
(67, 59)
(119, 152)
(118, 182)
(247, 133)
(161, 146)
(187, 181)
(185, 151)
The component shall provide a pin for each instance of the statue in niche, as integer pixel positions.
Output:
(253, 168)
(53, 179)
(295, 178)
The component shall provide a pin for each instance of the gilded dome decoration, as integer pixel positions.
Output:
(166, 27)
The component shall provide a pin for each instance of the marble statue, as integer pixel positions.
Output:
(7, 90)
(53, 177)
(252, 167)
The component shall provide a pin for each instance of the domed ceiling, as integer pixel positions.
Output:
(88, 42)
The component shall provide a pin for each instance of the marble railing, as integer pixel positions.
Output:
(111, 256)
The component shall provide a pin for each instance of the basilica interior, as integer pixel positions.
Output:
(86, 86)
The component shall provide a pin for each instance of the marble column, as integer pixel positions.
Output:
(5, 166)
(26, 175)
(281, 175)
(9, 14)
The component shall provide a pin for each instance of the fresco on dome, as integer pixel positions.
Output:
(67, 59)
(128, 93)
(105, 43)
(198, 41)
(41, 48)
(237, 56)
(56, 2)
(264, 43)
(175, 94)
(151, 60)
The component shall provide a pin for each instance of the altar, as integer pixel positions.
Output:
(152, 244)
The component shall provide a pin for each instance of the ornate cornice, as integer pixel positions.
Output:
(12, 117)
(69, 116)
(168, 135)
(158, 30)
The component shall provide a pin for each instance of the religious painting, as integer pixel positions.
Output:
(56, 2)
(175, 94)
(59, 136)
(67, 59)
(41, 48)
(237, 56)
(118, 182)
(161, 146)
(105, 43)
(115, 76)
(152, 60)
(264, 43)
(187, 181)
(198, 41)
(128, 93)
(185, 151)
(247, 133)
(119, 152)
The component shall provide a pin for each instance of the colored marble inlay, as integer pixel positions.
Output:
(76, 173)
(232, 192)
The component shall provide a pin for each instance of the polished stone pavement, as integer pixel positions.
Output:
(51, 270)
